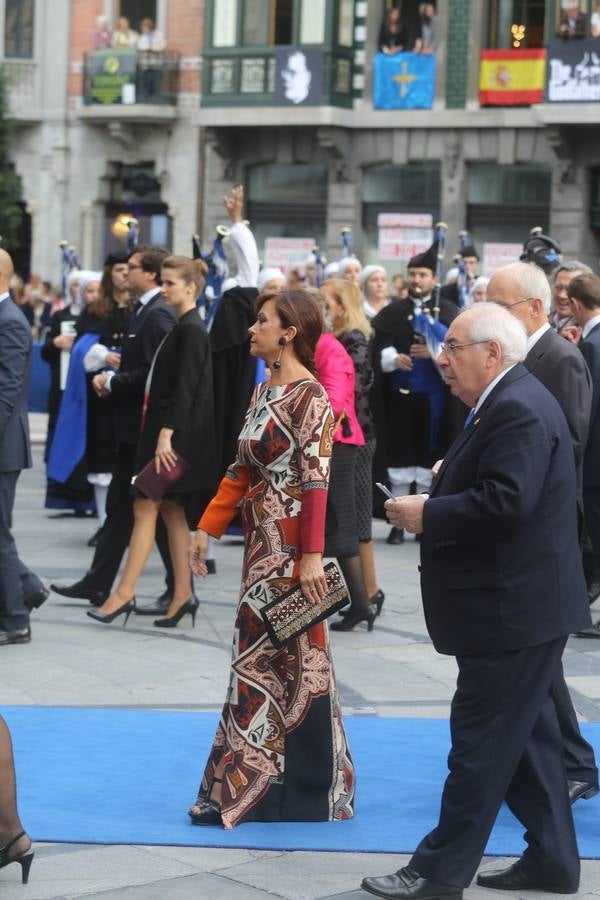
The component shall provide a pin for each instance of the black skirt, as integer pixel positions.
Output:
(341, 539)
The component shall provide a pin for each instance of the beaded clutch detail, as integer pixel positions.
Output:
(292, 613)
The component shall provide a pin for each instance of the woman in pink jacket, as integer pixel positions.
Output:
(335, 371)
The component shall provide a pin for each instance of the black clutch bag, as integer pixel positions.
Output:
(292, 614)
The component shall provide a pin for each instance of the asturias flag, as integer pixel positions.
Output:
(404, 81)
(512, 77)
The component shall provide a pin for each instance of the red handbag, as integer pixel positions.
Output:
(155, 485)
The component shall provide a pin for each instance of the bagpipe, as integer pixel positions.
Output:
(320, 263)
(426, 323)
(68, 262)
(439, 237)
(463, 281)
(346, 233)
(216, 261)
(133, 234)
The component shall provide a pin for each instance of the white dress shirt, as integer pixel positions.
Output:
(534, 338)
(591, 323)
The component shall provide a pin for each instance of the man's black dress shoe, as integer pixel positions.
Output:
(408, 883)
(579, 789)
(592, 632)
(396, 536)
(158, 608)
(516, 878)
(35, 600)
(593, 589)
(79, 591)
(20, 636)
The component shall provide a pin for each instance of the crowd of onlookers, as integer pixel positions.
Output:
(573, 22)
(394, 36)
(146, 40)
(38, 301)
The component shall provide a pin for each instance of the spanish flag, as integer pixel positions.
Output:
(512, 77)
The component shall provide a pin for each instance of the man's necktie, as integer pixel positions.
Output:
(469, 418)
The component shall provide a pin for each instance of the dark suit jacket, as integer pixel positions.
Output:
(145, 331)
(15, 371)
(181, 398)
(590, 348)
(558, 364)
(500, 560)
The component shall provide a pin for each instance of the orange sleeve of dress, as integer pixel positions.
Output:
(222, 508)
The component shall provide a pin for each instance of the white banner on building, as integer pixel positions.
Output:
(402, 235)
(288, 253)
(496, 255)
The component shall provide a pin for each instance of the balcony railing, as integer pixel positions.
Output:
(247, 77)
(127, 77)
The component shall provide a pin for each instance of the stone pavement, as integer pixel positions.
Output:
(391, 672)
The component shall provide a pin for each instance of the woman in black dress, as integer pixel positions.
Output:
(178, 418)
(393, 37)
(351, 327)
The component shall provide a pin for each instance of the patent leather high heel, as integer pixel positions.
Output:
(24, 860)
(190, 606)
(377, 600)
(107, 618)
(353, 619)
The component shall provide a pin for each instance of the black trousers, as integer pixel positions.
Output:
(591, 507)
(114, 537)
(580, 761)
(506, 745)
(16, 580)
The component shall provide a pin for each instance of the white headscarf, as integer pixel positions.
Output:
(266, 275)
(86, 276)
(367, 272)
(332, 268)
(345, 261)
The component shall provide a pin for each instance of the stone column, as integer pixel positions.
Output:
(87, 255)
(453, 200)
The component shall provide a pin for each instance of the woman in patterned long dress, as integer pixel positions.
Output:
(280, 752)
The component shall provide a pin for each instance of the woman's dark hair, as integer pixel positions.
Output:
(189, 270)
(104, 305)
(299, 309)
(586, 289)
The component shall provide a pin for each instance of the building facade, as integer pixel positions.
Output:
(279, 95)
(85, 155)
(496, 170)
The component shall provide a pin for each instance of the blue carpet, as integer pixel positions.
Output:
(114, 776)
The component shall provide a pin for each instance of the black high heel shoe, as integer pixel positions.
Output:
(24, 860)
(376, 600)
(208, 814)
(354, 619)
(107, 618)
(190, 606)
